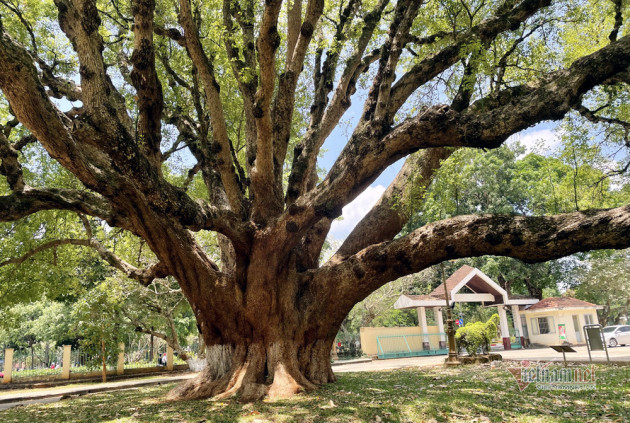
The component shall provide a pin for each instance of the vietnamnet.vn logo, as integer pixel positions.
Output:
(547, 377)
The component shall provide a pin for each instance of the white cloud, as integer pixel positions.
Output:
(354, 212)
(542, 141)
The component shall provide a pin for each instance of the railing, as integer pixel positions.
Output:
(147, 357)
(394, 346)
(36, 361)
(24, 365)
(83, 362)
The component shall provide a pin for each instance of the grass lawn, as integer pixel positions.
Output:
(478, 393)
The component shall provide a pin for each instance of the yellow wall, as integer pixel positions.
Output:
(369, 334)
(559, 317)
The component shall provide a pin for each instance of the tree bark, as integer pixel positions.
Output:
(275, 368)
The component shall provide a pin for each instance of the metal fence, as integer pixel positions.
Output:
(143, 356)
(83, 362)
(36, 361)
(394, 346)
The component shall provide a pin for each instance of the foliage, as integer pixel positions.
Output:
(98, 321)
(602, 278)
(28, 324)
(477, 336)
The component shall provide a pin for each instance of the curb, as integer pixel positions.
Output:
(89, 390)
(358, 361)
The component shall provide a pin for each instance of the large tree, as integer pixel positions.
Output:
(114, 90)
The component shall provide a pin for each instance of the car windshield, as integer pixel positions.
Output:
(609, 329)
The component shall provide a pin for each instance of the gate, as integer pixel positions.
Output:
(515, 340)
(395, 346)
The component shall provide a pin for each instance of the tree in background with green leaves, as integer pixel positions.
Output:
(602, 278)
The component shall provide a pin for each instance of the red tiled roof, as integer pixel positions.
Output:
(560, 302)
(452, 282)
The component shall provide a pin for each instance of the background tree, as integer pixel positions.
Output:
(602, 279)
(175, 121)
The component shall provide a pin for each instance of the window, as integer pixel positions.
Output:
(542, 325)
(588, 319)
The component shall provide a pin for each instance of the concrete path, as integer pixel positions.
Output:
(9, 399)
(616, 354)
(390, 364)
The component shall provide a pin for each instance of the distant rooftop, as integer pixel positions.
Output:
(560, 302)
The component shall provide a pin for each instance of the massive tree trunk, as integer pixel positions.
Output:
(280, 343)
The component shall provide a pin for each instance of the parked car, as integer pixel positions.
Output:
(617, 335)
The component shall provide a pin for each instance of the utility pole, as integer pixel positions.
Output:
(452, 359)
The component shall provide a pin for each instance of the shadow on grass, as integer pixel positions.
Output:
(426, 394)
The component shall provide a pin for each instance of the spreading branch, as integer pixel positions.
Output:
(487, 123)
(428, 68)
(531, 239)
(31, 200)
(144, 276)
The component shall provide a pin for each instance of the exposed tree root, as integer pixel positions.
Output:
(256, 373)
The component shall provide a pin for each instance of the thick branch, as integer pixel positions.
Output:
(487, 30)
(80, 21)
(229, 178)
(267, 200)
(21, 86)
(31, 200)
(10, 167)
(324, 119)
(395, 206)
(377, 103)
(532, 239)
(618, 20)
(145, 81)
(282, 113)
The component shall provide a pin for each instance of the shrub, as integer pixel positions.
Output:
(477, 336)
